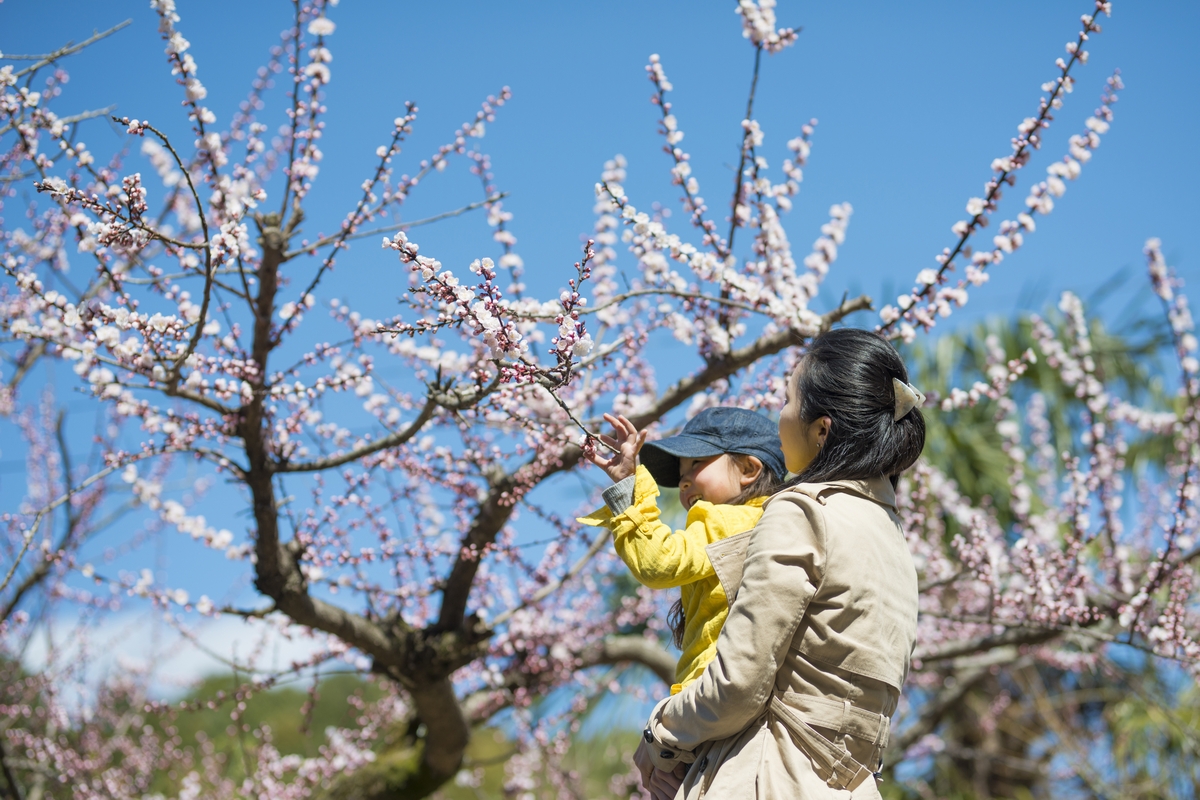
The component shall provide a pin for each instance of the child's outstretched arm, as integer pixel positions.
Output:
(656, 557)
(626, 442)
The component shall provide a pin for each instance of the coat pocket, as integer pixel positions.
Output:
(728, 558)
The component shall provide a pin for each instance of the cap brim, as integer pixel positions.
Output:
(661, 457)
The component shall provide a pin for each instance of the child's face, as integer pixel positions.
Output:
(715, 479)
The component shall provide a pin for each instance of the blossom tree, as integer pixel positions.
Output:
(388, 514)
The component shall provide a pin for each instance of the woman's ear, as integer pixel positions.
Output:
(750, 469)
(821, 428)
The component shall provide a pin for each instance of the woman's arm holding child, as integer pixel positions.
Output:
(784, 567)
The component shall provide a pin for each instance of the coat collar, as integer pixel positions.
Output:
(877, 489)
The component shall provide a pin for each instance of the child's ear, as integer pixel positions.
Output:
(751, 468)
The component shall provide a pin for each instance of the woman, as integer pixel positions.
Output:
(823, 591)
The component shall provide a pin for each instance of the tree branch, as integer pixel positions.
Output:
(481, 706)
(552, 587)
(401, 226)
(933, 711)
(634, 649)
(1014, 636)
(393, 440)
(69, 49)
(737, 177)
(80, 117)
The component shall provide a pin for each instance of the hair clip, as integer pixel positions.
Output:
(908, 397)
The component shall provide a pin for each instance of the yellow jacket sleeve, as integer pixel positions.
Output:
(657, 556)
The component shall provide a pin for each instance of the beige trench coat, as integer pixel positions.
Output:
(809, 666)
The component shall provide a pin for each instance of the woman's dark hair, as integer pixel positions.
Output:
(765, 485)
(846, 375)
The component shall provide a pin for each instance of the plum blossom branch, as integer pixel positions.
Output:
(751, 138)
(394, 440)
(68, 120)
(1029, 138)
(402, 126)
(758, 25)
(1167, 286)
(1001, 381)
(597, 544)
(681, 173)
(71, 492)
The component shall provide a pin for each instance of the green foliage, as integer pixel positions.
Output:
(592, 760)
(1154, 725)
(293, 728)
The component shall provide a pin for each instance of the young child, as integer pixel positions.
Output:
(726, 462)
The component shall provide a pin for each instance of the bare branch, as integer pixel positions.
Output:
(401, 226)
(741, 167)
(481, 706)
(635, 649)
(1013, 636)
(47, 509)
(618, 299)
(69, 49)
(934, 710)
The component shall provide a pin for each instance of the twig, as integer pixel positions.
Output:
(393, 440)
(69, 48)
(737, 177)
(37, 520)
(550, 588)
(401, 226)
(80, 117)
(359, 214)
(618, 299)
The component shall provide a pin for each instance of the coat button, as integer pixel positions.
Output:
(648, 736)
(703, 763)
(666, 754)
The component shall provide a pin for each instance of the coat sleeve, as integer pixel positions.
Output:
(785, 563)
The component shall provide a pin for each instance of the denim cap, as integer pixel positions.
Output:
(710, 433)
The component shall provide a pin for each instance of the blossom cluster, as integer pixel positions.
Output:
(931, 297)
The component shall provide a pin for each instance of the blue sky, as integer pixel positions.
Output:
(914, 101)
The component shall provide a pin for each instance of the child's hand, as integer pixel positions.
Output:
(626, 442)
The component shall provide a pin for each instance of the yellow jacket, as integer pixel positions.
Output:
(663, 559)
